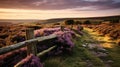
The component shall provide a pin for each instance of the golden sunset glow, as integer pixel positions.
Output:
(47, 14)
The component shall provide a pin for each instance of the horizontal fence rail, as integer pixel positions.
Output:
(23, 44)
(19, 64)
(30, 43)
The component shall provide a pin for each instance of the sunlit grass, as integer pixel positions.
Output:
(107, 45)
(111, 46)
(104, 40)
(79, 57)
(82, 57)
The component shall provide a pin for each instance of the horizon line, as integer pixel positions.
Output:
(64, 18)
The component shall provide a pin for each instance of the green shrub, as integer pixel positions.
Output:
(78, 22)
(87, 22)
(69, 22)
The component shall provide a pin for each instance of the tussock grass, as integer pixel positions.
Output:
(79, 57)
(111, 46)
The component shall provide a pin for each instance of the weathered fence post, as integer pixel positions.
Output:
(62, 28)
(31, 47)
(71, 27)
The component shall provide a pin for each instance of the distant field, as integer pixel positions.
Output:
(96, 40)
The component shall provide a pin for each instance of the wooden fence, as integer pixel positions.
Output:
(30, 43)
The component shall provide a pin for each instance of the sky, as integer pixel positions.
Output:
(46, 9)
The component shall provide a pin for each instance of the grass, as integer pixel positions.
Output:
(111, 46)
(85, 54)
(53, 62)
(114, 54)
(80, 57)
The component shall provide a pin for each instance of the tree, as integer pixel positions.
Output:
(114, 20)
(69, 22)
(87, 22)
(78, 22)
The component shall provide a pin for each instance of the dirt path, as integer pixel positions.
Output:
(102, 47)
(88, 52)
(103, 40)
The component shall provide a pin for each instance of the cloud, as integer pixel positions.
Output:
(61, 4)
